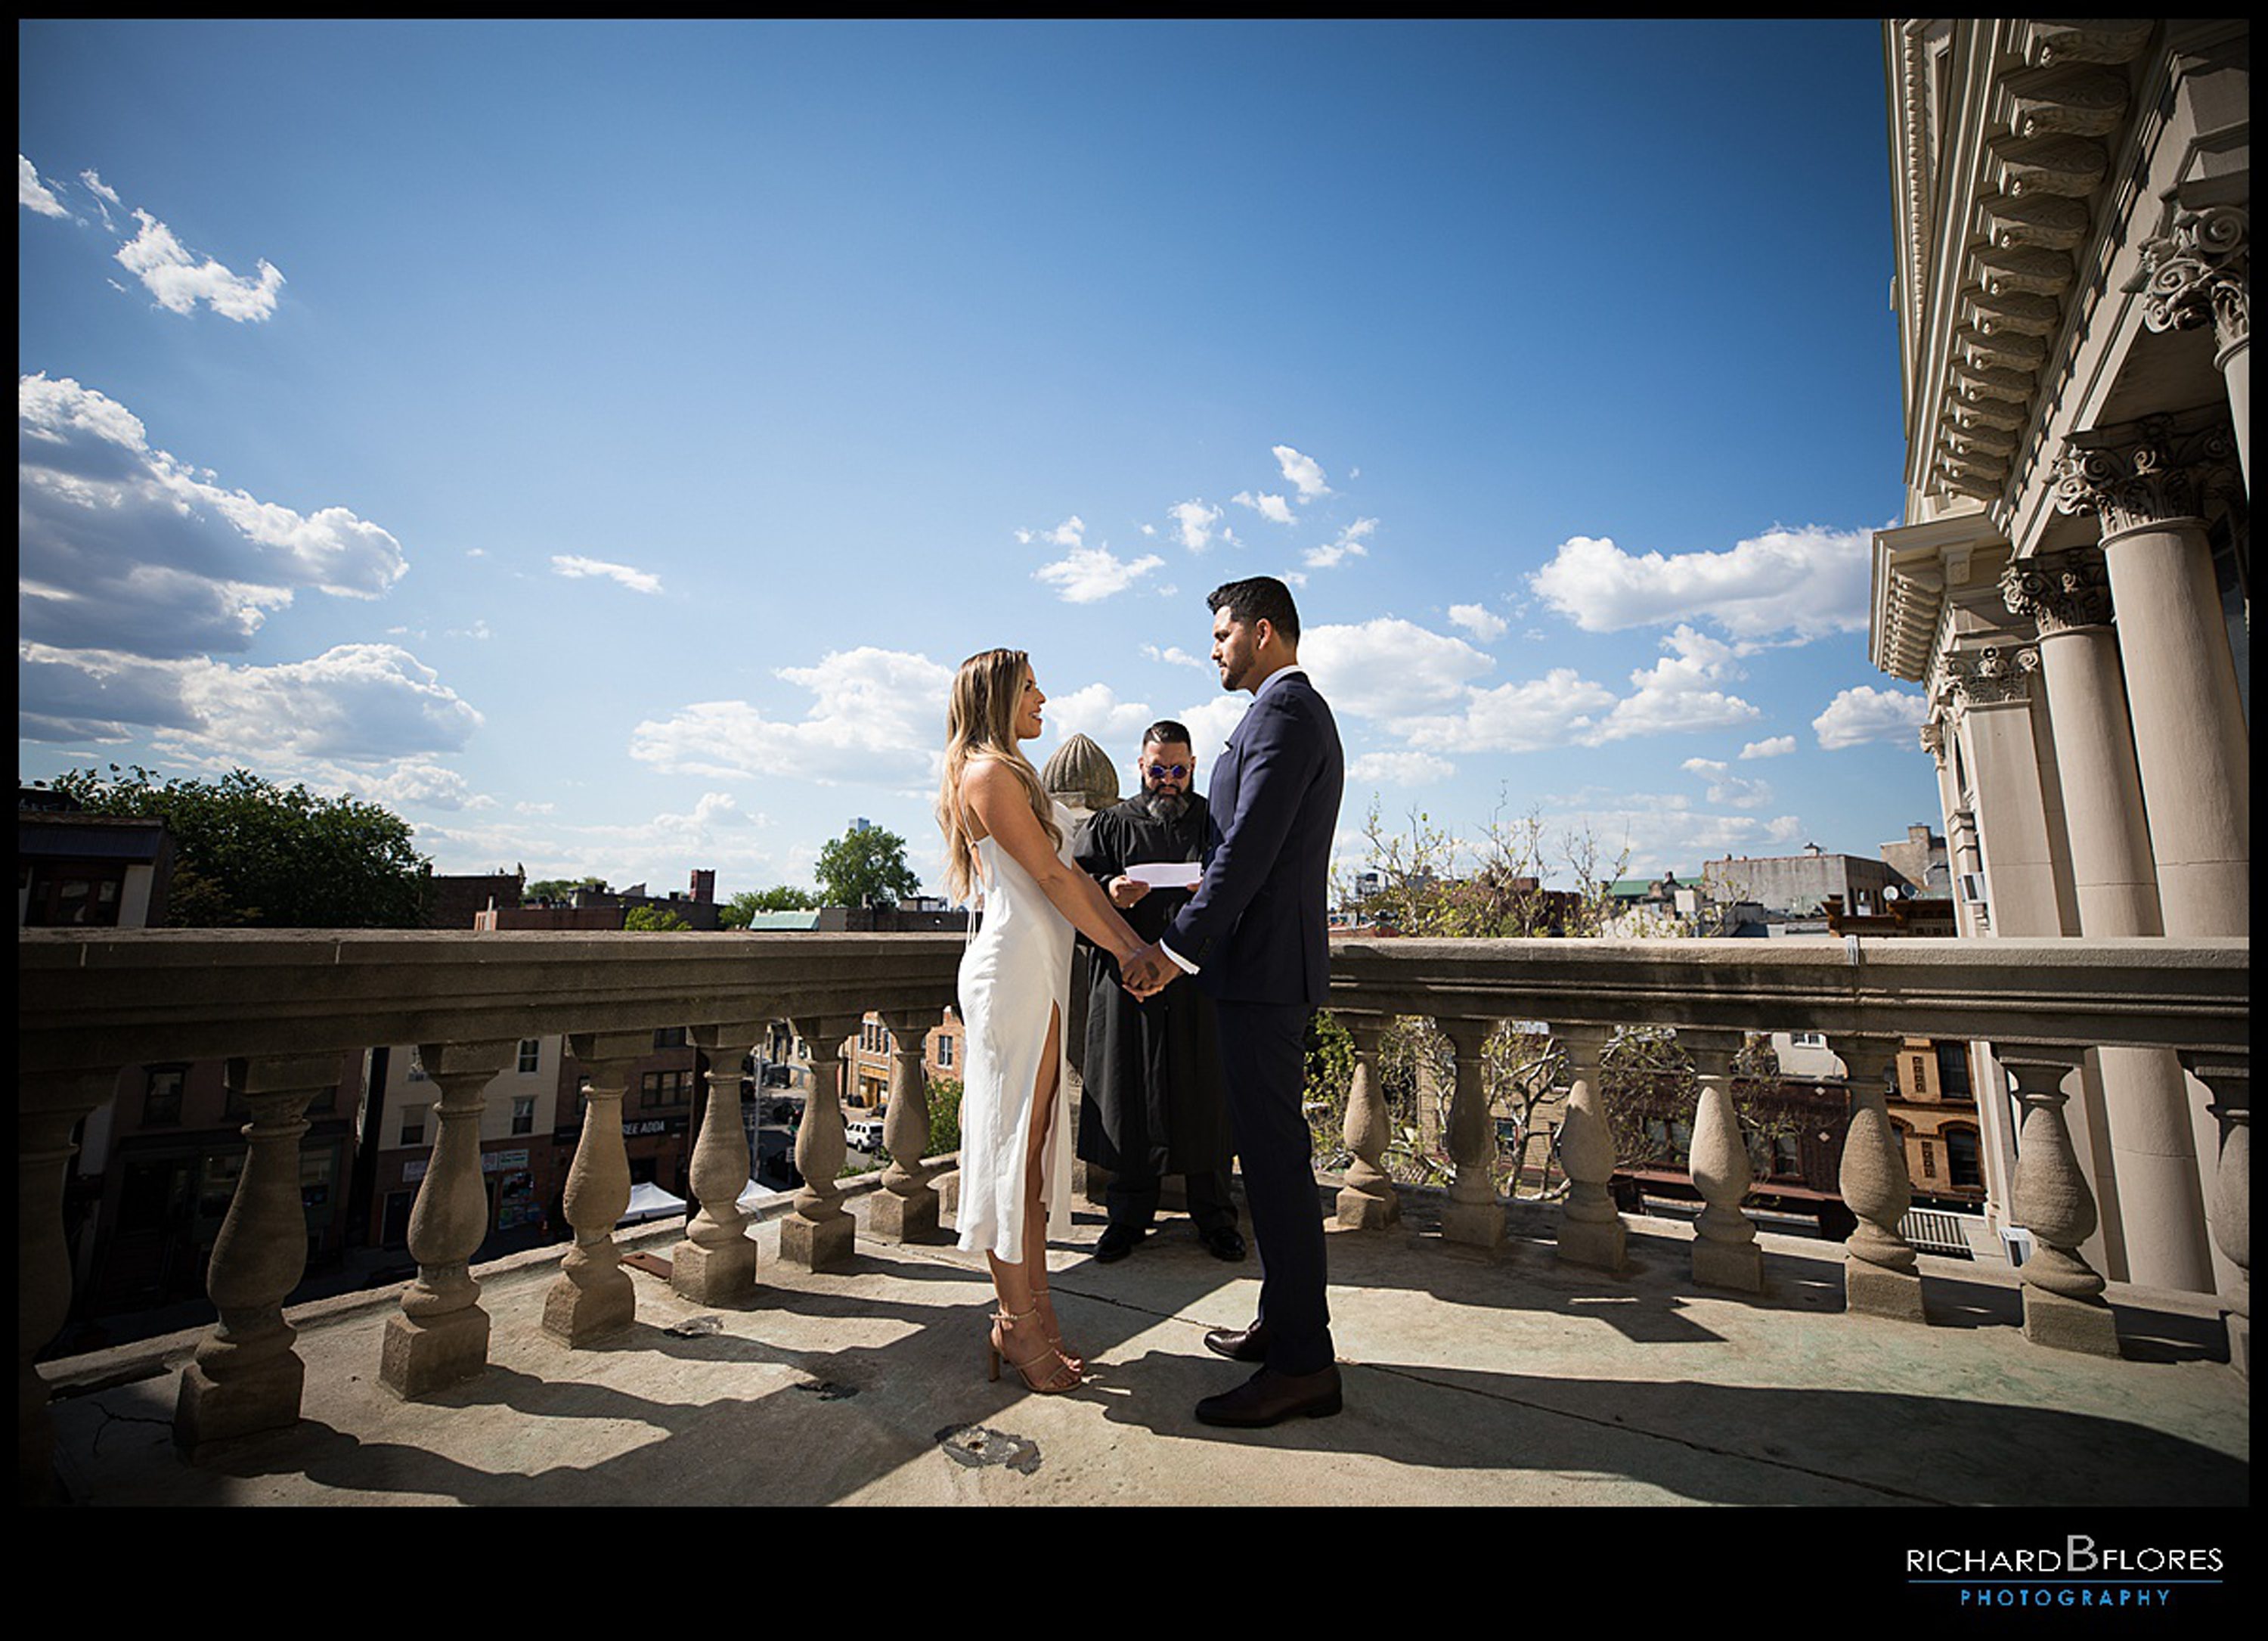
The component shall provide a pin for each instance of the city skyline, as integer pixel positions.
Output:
(600, 442)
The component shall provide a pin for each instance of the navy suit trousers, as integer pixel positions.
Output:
(1263, 1057)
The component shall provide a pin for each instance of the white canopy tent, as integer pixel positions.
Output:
(649, 1200)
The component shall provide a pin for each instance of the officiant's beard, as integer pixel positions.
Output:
(1169, 806)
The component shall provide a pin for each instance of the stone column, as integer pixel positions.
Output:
(1725, 1252)
(2063, 1294)
(716, 1264)
(2159, 1190)
(1366, 1199)
(593, 1296)
(2199, 273)
(49, 1106)
(905, 1209)
(2146, 483)
(2229, 1077)
(1472, 1215)
(1879, 1274)
(441, 1334)
(245, 1376)
(1989, 690)
(1591, 1230)
(819, 1234)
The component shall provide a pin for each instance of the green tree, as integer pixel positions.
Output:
(251, 853)
(865, 864)
(562, 888)
(944, 1115)
(654, 920)
(741, 909)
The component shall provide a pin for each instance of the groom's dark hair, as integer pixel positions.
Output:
(1261, 598)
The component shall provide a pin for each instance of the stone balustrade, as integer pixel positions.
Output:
(282, 1007)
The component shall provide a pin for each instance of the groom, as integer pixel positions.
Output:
(1255, 935)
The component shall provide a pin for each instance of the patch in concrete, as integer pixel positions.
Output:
(975, 1445)
(828, 1390)
(697, 1326)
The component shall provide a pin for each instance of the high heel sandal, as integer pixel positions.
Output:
(1054, 1330)
(1061, 1378)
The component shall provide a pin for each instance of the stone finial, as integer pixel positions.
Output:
(1081, 774)
(2059, 591)
(2145, 472)
(2199, 272)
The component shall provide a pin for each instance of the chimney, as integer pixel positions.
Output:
(704, 887)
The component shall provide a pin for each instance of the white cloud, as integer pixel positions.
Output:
(1778, 746)
(1866, 713)
(121, 547)
(1302, 471)
(1070, 533)
(1725, 788)
(96, 186)
(578, 568)
(1809, 582)
(1097, 712)
(1388, 668)
(877, 718)
(1349, 544)
(1272, 507)
(1210, 723)
(1674, 694)
(1476, 620)
(1176, 657)
(180, 282)
(1194, 520)
(34, 194)
(1399, 769)
(421, 785)
(1555, 710)
(1088, 574)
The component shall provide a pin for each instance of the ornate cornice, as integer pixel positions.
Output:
(2145, 472)
(2198, 273)
(1995, 676)
(2059, 591)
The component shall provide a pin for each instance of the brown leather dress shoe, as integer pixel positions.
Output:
(1270, 1398)
(1238, 1344)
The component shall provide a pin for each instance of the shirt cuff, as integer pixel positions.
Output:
(1180, 962)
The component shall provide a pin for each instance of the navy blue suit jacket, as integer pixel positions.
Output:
(1258, 925)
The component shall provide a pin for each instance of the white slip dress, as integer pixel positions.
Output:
(1015, 970)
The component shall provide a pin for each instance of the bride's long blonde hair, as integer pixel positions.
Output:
(980, 721)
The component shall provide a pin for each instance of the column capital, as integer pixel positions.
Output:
(2137, 474)
(2059, 591)
(2197, 272)
(1993, 675)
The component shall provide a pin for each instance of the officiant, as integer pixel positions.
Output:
(1154, 1102)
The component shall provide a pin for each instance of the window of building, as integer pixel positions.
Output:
(1807, 1040)
(413, 1124)
(161, 1101)
(531, 1054)
(523, 1116)
(944, 1049)
(669, 1037)
(1952, 1071)
(1962, 1161)
(666, 1088)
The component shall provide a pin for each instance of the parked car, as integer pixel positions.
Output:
(865, 1133)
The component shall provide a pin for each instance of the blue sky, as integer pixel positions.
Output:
(600, 442)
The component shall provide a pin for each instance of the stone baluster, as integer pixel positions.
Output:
(1366, 1199)
(1725, 1254)
(2229, 1077)
(716, 1264)
(905, 1209)
(592, 1295)
(1472, 1215)
(245, 1376)
(441, 1334)
(1590, 1229)
(2063, 1295)
(49, 1105)
(1879, 1268)
(818, 1232)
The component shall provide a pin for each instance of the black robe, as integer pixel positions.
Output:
(1163, 1053)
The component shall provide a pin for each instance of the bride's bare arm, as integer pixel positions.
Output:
(996, 798)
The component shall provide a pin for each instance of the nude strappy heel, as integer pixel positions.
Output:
(1063, 1378)
(1054, 1331)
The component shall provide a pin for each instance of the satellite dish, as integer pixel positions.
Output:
(1890, 892)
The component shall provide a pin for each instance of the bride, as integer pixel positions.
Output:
(1006, 838)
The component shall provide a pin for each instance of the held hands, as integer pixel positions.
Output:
(1124, 891)
(1148, 971)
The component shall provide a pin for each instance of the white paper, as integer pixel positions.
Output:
(1167, 874)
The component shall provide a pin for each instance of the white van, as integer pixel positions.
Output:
(865, 1134)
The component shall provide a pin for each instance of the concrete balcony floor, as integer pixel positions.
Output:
(1471, 1378)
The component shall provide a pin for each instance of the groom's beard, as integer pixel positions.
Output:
(1169, 806)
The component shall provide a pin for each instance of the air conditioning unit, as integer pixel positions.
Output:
(1972, 889)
